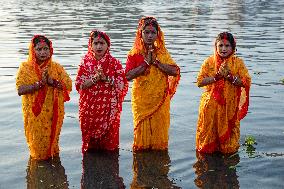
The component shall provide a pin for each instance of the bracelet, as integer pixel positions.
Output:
(147, 62)
(39, 85)
(56, 83)
(217, 76)
(110, 80)
(94, 80)
(230, 77)
(235, 79)
(156, 62)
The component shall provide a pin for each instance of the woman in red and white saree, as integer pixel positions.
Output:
(102, 86)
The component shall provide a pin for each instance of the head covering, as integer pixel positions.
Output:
(35, 40)
(159, 44)
(226, 36)
(98, 34)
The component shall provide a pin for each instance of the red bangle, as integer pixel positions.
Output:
(156, 62)
(40, 84)
(56, 83)
(146, 62)
(230, 77)
(217, 76)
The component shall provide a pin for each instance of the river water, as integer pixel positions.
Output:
(190, 28)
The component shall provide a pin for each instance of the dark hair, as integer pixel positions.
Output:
(150, 21)
(40, 38)
(97, 33)
(228, 36)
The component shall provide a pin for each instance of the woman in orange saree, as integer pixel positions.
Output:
(44, 86)
(156, 77)
(102, 86)
(225, 100)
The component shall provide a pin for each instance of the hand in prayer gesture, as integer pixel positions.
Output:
(224, 69)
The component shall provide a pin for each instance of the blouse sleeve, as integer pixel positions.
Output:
(203, 71)
(133, 62)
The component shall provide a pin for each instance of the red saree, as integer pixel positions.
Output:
(101, 104)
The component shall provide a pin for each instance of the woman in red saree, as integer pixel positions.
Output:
(226, 98)
(102, 86)
(155, 78)
(44, 86)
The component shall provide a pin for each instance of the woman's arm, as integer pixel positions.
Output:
(171, 70)
(27, 89)
(90, 82)
(207, 81)
(135, 72)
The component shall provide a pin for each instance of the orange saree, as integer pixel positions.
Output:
(43, 110)
(222, 106)
(151, 96)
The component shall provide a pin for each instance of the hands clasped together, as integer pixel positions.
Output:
(224, 72)
(46, 79)
(98, 76)
(149, 60)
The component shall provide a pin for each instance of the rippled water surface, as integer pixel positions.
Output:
(190, 28)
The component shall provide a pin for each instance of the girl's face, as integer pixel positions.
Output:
(149, 35)
(42, 52)
(100, 47)
(224, 48)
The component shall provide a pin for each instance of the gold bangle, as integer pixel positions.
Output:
(36, 85)
(93, 80)
(235, 79)
(146, 62)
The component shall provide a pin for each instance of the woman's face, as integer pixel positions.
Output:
(42, 52)
(224, 48)
(149, 35)
(100, 47)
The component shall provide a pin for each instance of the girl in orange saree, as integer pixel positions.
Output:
(102, 86)
(156, 77)
(226, 98)
(44, 86)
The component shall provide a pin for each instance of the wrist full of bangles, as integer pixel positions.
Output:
(39, 84)
(155, 63)
(56, 83)
(217, 76)
(108, 79)
(232, 78)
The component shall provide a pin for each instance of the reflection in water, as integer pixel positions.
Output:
(101, 170)
(151, 170)
(46, 174)
(216, 171)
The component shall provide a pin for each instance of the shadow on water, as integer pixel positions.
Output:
(216, 171)
(46, 174)
(150, 170)
(101, 170)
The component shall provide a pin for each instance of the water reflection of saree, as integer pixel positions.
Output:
(101, 170)
(46, 174)
(216, 171)
(150, 170)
